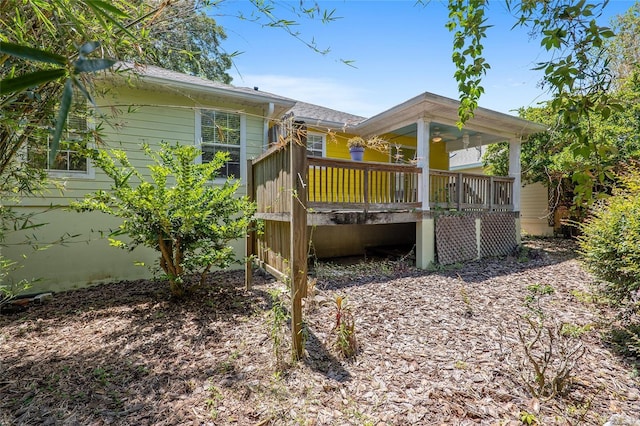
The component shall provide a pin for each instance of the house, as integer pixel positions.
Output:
(156, 106)
(448, 216)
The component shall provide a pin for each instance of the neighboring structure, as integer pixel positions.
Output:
(535, 216)
(374, 202)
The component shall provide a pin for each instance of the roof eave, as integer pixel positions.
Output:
(444, 110)
(332, 125)
(258, 98)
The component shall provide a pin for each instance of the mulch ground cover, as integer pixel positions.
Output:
(434, 347)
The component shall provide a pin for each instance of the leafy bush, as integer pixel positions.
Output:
(610, 240)
(179, 212)
(8, 288)
(344, 329)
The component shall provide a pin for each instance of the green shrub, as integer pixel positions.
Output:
(178, 211)
(9, 288)
(610, 240)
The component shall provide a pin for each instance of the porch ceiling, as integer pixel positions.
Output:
(485, 128)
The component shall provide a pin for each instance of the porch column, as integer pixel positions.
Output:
(425, 229)
(514, 172)
(422, 154)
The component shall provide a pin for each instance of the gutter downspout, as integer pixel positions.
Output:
(267, 118)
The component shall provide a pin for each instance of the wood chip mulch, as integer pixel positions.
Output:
(435, 348)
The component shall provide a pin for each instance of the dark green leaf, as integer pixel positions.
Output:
(17, 84)
(32, 53)
(106, 7)
(102, 14)
(83, 90)
(92, 65)
(65, 106)
(89, 47)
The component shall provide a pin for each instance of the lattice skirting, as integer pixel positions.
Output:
(456, 236)
(497, 234)
(455, 239)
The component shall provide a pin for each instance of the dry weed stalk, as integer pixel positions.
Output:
(549, 356)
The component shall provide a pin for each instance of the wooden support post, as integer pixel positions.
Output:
(460, 192)
(492, 194)
(298, 235)
(249, 242)
(365, 188)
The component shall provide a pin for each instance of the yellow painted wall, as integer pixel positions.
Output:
(88, 258)
(336, 147)
(382, 187)
(438, 156)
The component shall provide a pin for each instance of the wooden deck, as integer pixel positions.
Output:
(293, 192)
(350, 192)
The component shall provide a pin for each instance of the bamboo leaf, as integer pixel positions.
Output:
(17, 84)
(31, 53)
(65, 106)
(92, 65)
(107, 7)
(84, 91)
(89, 47)
(101, 14)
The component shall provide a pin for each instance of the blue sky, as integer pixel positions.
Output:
(399, 50)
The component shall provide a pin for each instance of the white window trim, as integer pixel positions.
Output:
(243, 143)
(78, 175)
(324, 142)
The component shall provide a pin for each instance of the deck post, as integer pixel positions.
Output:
(460, 192)
(425, 227)
(249, 242)
(492, 193)
(298, 235)
(514, 172)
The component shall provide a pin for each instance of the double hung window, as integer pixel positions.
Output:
(220, 132)
(315, 145)
(69, 159)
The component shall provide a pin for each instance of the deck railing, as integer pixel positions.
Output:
(335, 184)
(462, 191)
(343, 184)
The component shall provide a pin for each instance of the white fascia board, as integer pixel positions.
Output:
(257, 98)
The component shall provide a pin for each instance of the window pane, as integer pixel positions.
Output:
(61, 161)
(218, 131)
(207, 118)
(208, 152)
(77, 162)
(68, 159)
(231, 167)
(314, 145)
(208, 134)
(233, 137)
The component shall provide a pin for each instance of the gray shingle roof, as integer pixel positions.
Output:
(310, 113)
(316, 114)
(154, 72)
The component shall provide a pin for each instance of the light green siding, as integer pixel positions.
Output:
(137, 116)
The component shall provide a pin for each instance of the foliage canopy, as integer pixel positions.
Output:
(610, 238)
